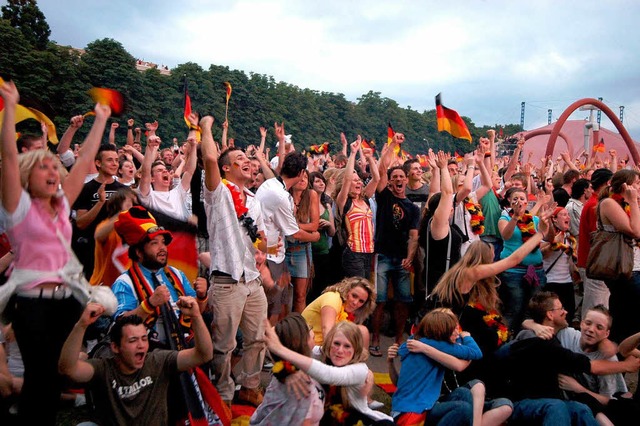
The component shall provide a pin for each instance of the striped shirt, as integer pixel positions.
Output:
(359, 223)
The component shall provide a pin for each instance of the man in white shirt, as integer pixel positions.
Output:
(155, 181)
(236, 231)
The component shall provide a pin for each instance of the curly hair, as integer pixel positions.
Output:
(346, 285)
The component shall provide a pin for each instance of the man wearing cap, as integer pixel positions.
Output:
(595, 291)
(149, 284)
(236, 231)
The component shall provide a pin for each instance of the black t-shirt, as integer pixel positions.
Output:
(83, 242)
(533, 364)
(395, 217)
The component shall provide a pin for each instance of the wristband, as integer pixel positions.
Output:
(196, 128)
(130, 127)
(487, 155)
(147, 306)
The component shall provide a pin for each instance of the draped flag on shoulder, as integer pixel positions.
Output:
(450, 121)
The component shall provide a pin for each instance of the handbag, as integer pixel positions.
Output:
(611, 254)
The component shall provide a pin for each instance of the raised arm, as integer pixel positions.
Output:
(150, 154)
(485, 175)
(203, 350)
(74, 181)
(70, 363)
(385, 160)
(112, 133)
(440, 224)
(467, 184)
(130, 123)
(210, 155)
(10, 177)
(347, 176)
(280, 135)
(65, 141)
(370, 189)
(513, 162)
(190, 164)
(263, 138)
(223, 140)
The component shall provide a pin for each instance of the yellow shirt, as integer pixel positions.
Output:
(312, 313)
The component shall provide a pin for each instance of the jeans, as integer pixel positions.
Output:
(551, 412)
(515, 294)
(453, 409)
(391, 267)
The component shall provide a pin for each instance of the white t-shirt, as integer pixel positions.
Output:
(172, 203)
(277, 206)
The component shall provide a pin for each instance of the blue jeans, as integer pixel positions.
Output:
(551, 412)
(391, 267)
(515, 294)
(453, 409)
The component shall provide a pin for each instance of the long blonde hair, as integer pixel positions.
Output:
(344, 286)
(352, 333)
(484, 291)
(28, 160)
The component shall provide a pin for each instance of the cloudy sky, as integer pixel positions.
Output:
(486, 57)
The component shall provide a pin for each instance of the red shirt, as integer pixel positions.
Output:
(588, 220)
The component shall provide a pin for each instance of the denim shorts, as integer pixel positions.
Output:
(391, 268)
(298, 258)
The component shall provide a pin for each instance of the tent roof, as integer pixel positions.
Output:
(574, 131)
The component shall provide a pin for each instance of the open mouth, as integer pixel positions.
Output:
(139, 357)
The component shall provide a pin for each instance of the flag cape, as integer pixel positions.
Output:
(450, 121)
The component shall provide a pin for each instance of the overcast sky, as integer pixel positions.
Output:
(486, 57)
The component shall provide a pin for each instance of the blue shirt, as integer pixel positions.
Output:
(421, 377)
(126, 294)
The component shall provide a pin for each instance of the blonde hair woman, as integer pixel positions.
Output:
(352, 299)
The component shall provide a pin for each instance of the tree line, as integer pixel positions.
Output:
(55, 79)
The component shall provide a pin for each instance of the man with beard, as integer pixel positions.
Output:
(149, 284)
(132, 386)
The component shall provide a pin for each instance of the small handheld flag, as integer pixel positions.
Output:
(599, 147)
(227, 85)
(110, 97)
(450, 121)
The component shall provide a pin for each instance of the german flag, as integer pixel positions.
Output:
(459, 157)
(450, 121)
(368, 144)
(599, 147)
(424, 161)
(187, 103)
(113, 98)
(390, 134)
(227, 85)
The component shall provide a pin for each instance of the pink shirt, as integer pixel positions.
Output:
(34, 240)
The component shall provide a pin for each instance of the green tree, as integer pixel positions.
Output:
(26, 16)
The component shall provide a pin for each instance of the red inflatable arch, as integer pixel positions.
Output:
(539, 132)
(602, 107)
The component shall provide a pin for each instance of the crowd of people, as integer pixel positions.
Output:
(475, 265)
